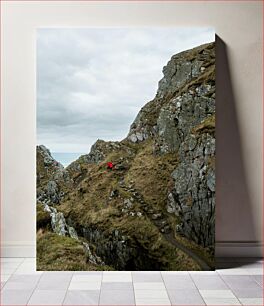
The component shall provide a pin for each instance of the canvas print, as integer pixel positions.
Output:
(125, 154)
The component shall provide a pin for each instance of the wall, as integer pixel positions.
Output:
(239, 107)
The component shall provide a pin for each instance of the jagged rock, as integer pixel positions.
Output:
(180, 116)
(61, 228)
(166, 229)
(172, 207)
(183, 67)
(72, 232)
(47, 158)
(138, 136)
(179, 228)
(211, 179)
(92, 258)
(53, 192)
(120, 166)
(178, 74)
(193, 196)
(133, 138)
(121, 183)
(156, 216)
(58, 223)
(99, 151)
(51, 176)
(113, 250)
(163, 222)
(96, 153)
(114, 193)
(128, 203)
(44, 156)
(185, 124)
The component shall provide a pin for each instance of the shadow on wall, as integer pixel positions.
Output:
(234, 216)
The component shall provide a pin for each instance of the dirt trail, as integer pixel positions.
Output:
(204, 266)
(162, 225)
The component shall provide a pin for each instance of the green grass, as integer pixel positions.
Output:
(206, 126)
(43, 217)
(60, 253)
(151, 174)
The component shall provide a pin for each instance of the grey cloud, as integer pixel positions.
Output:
(91, 82)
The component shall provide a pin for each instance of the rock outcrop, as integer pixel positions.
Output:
(193, 197)
(61, 228)
(181, 119)
(99, 151)
(52, 178)
(183, 71)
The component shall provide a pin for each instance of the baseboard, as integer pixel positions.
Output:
(18, 249)
(239, 249)
(222, 249)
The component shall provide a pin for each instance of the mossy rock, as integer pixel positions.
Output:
(206, 126)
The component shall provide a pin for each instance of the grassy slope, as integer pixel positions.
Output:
(88, 203)
(55, 253)
(151, 175)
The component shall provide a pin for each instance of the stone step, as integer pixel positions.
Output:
(166, 229)
(156, 216)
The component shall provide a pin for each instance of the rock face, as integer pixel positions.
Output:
(185, 70)
(61, 228)
(163, 181)
(46, 165)
(181, 119)
(186, 125)
(51, 177)
(177, 118)
(193, 197)
(99, 151)
(114, 246)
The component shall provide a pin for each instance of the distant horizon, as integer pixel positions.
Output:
(66, 158)
(68, 152)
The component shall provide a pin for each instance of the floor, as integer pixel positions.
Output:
(236, 282)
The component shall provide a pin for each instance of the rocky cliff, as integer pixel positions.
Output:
(181, 119)
(155, 209)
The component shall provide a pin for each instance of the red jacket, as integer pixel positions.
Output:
(110, 165)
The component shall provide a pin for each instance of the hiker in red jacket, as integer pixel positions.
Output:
(110, 165)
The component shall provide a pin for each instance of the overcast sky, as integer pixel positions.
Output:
(91, 82)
